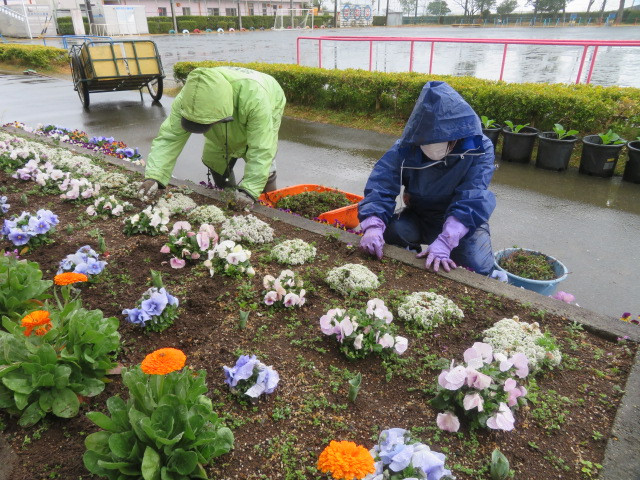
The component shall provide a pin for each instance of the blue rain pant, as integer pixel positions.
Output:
(409, 230)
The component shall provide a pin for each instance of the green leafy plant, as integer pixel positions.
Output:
(51, 370)
(166, 429)
(487, 122)
(499, 466)
(525, 264)
(562, 133)
(21, 286)
(611, 138)
(515, 128)
(312, 204)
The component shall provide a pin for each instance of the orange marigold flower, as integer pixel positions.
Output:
(39, 318)
(43, 329)
(68, 278)
(163, 361)
(346, 461)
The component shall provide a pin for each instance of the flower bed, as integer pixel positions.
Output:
(557, 434)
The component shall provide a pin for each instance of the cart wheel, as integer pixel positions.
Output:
(80, 86)
(155, 89)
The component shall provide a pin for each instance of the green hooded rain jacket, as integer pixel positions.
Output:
(255, 101)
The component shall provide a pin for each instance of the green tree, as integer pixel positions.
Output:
(506, 7)
(408, 6)
(439, 7)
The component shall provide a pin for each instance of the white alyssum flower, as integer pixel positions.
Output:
(429, 309)
(510, 335)
(176, 203)
(293, 252)
(112, 180)
(352, 278)
(246, 229)
(206, 214)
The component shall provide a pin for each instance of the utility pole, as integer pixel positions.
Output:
(239, 17)
(386, 19)
(335, 14)
(173, 15)
(87, 4)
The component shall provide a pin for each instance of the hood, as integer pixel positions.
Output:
(442, 115)
(207, 96)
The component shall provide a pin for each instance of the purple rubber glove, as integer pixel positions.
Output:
(372, 241)
(439, 251)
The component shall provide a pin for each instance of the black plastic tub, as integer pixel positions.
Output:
(493, 134)
(517, 147)
(599, 160)
(632, 168)
(554, 153)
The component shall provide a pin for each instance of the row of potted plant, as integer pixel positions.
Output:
(599, 157)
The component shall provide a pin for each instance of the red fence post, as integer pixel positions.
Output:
(584, 55)
(411, 57)
(431, 57)
(504, 57)
(370, 54)
(593, 62)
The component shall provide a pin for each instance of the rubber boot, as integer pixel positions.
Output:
(271, 183)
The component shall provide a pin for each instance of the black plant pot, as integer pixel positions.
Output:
(492, 134)
(597, 159)
(632, 168)
(553, 153)
(517, 147)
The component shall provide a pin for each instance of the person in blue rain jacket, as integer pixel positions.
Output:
(445, 164)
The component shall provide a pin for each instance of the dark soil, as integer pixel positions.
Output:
(313, 204)
(282, 436)
(531, 265)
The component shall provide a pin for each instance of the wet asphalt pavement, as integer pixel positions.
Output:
(590, 224)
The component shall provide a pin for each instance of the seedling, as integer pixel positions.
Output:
(562, 133)
(499, 466)
(243, 316)
(515, 128)
(487, 122)
(354, 387)
(611, 138)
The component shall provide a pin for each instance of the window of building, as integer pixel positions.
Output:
(213, 12)
(231, 12)
(264, 8)
(162, 11)
(186, 10)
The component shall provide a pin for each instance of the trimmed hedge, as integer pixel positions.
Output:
(587, 108)
(65, 25)
(33, 56)
(157, 24)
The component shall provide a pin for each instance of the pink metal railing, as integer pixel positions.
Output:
(585, 44)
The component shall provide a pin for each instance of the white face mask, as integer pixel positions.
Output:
(436, 151)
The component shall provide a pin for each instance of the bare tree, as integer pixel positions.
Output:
(591, 2)
(620, 12)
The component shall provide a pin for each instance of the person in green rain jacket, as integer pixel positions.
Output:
(239, 112)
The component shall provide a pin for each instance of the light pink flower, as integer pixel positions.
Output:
(191, 234)
(564, 297)
(453, 379)
(177, 263)
(357, 342)
(267, 281)
(203, 241)
(473, 400)
(502, 420)
(448, 422)
(401, 345)
(195, 256)
(180, 226)
(208, 230)
(511, 387)
(165, 249)
(521, 362)
(91, 210)
(346, 327)
(386, 341)
(271, 297)
(291, 300)
(302, 300)
(477, 380)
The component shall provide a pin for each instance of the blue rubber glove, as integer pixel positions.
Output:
(372, 241)
(440, 249)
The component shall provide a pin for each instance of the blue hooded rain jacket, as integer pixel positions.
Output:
(456, 185)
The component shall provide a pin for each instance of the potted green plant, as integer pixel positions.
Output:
(491, 129)
(517, 142)
(555, 148)
(632, 168)
(531, 269)
(600, 153)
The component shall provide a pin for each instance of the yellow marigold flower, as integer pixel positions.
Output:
(163, 361)
(346, 461)
(39, 318)
(68, 278)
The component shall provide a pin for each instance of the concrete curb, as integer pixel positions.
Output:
(621, 461)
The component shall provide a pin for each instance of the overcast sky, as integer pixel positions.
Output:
(573, 6)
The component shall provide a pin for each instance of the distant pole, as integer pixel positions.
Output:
(386, 18)
(173, 15)
(335, 14)
(239, 17)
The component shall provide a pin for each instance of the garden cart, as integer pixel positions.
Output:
(109, 66)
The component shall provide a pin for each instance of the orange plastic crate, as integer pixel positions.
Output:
(348, 216)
